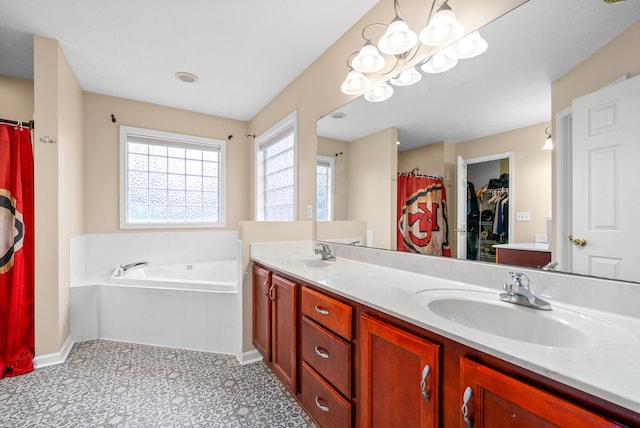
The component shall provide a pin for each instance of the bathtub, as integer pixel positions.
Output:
(221, 276)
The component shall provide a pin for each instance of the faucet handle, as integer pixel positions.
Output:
(519, 279)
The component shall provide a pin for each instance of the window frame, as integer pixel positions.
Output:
(331, 188)
(182, 141)
(290, 122)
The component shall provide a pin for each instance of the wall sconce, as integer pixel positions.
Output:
(548, 144)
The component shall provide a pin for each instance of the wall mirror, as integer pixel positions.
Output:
(499, 103)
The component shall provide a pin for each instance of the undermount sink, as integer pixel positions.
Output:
(483, 311)
(308, 263)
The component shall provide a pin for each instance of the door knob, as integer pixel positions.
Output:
(578, 242)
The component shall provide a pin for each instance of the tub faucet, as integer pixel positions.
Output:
(550, 266)
(122, 269)
(518, 292)
(325, 251)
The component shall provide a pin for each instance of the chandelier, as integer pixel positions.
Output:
(400, 44)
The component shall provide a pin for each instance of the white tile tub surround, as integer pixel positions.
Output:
(202, 321)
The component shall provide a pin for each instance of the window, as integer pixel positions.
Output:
(324, 188)
(170, 180)
(276, 172)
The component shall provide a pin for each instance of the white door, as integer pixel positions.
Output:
(461, 224)
(606, 182)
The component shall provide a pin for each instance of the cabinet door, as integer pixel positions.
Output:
(498, 400)
(262, 312)
(284, 314)
(398, 378)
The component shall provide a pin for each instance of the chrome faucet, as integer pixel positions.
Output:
(518, 292)
(122, 269)
(324, 250)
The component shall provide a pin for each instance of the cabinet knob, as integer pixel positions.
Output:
(320, 406)
(466, 397)
(321, 310)
(423, 382)
(322, 353)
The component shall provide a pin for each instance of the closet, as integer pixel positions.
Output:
(494, 221)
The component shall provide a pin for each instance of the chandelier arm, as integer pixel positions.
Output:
(386, 73)
(433, 6)
(369, 39)
(396, 8)
(350, 59)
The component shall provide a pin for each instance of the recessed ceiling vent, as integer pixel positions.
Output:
(186, 77)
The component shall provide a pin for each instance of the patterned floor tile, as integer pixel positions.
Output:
(113, 384)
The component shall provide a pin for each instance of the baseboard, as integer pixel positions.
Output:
(250, 357)
(54, 358)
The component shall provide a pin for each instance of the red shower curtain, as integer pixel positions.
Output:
(16, 251)
(422, 215)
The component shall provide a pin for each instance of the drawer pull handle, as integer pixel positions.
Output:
(465, 411)
(321, 310)
(265, 287)
(322, 352)
(271, 291)
(320, 406)
(423, 382)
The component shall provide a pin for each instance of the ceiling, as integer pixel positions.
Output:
(244, 52)
(507, 87)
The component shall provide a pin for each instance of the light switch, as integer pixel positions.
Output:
(523, 216)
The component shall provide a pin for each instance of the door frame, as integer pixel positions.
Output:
(463, 198)
(563, 190)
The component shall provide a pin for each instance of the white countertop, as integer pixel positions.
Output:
(529, 246)
(607, 368)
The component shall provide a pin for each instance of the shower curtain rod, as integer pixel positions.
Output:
(30, 123)
(415, 174)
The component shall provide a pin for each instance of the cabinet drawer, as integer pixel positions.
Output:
(326, 405)
(328, 312)
(329, 355)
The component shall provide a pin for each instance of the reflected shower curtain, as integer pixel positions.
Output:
(422, 215)
(16, 251)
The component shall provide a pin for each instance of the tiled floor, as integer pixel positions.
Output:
(106, 383)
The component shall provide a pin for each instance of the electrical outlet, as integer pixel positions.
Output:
(310, 212)
(523, 216)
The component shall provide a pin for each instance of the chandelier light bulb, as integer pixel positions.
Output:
(355, 83)
(443, 29)
(470, 46)
(382, 92)
(368, 60)
(439, 62)
(407, 77)
(398, 38)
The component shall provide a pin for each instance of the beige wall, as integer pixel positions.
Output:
(339, 150)
(58, 189)
(16, 98)
(101, 157)
(373, 184)
(532, 174)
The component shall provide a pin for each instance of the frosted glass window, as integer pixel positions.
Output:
(170, 180)
(276, 172)
(324, 188)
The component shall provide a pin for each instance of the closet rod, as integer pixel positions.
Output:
(30, 123)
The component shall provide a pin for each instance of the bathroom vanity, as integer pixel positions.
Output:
(373, 346)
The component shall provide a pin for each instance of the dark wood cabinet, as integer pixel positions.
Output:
(399, 377)
(351, 365)
(494, 399)
(275, 314)
(516, 257)
(326, 351)
(284, 313)
(262, 311)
